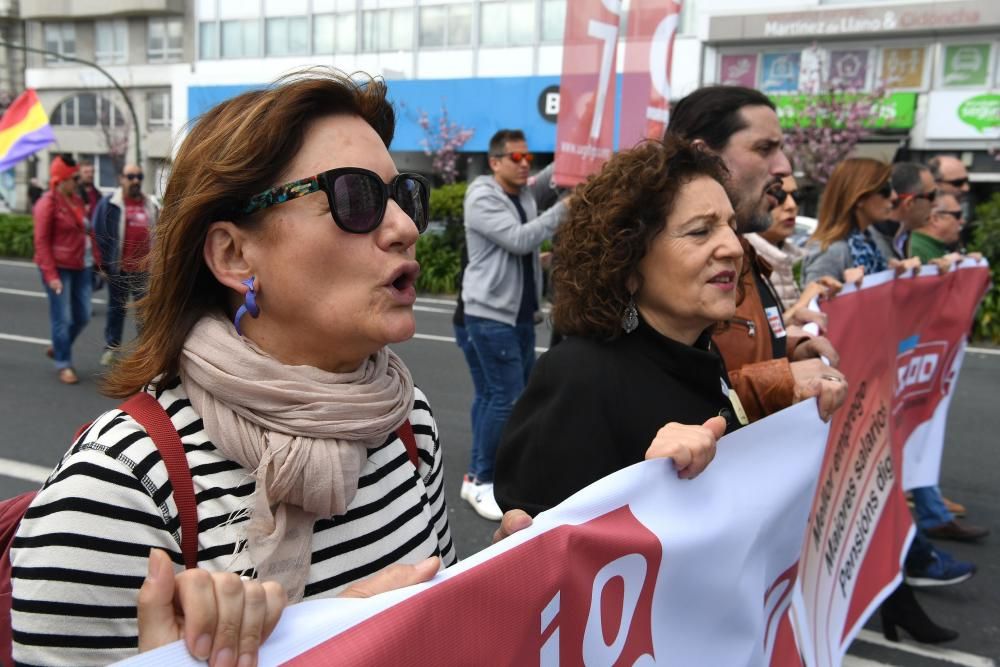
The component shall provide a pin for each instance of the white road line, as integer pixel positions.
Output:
(983, 350)
(451, 339)
(34, 294)
(429, 309)
(943, 654)
(855, 661)
(21, 264)
(26, 471)
(25, 339)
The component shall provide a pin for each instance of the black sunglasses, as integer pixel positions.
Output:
(955, 214)
(955, 182)
(358, 197)
(133, 177)
(885, 190)
(782, 195)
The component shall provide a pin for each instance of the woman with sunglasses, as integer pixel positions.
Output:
(283, 266)
(858, 195)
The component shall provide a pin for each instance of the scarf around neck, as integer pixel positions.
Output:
(304, 432)
(864, 252)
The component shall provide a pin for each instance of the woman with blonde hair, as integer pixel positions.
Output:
(858, 194)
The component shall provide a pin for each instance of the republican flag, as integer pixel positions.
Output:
(24, 130)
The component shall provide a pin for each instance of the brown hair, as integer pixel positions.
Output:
(611, 222)
(850, 181)
(234, 151)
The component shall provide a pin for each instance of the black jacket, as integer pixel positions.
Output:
(592, 408)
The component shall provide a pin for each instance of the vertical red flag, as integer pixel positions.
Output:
(652, 25)
(585, 132)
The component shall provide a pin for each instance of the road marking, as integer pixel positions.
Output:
(983, 350)
(943, 654)
(21, 264)
(854, 661)
(25, 339)
(26, 471)
(429, 309)
(37, 295)
(451, 339)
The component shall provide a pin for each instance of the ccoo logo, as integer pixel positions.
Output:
(918, 368)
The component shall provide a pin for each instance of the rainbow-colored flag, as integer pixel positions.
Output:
(24, 130)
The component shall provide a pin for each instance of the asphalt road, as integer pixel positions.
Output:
(39, 416)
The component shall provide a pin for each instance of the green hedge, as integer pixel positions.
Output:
(440, 251)
(16, 235)
(986, 239)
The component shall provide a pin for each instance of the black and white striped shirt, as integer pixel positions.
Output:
(81, 551)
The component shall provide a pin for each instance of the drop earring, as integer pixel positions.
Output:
(249, 304)
(630, 320)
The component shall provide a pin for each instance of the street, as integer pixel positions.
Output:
(40, 416)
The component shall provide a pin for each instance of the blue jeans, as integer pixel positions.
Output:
(929, 507)
(120, 288)
(478, 387)
(69, 312)
(506, 354)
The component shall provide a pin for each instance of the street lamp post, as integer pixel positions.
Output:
(128, 100)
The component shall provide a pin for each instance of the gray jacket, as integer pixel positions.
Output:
(837, 257)
(496, 240)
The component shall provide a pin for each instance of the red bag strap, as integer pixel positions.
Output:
(405, 434)
(148, 412)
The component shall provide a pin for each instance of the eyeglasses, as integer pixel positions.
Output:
(929, 196)
(885, 190)
(357, 197)
(954, 182)
(782, 195)
(955, 214)
(133, 177)
(517, 156)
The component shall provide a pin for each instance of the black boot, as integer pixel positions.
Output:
(902, 609)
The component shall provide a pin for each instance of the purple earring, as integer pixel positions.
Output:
(249, 305)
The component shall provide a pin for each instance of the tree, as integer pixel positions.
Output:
(114, 129)
(442, 139)
(823, 124)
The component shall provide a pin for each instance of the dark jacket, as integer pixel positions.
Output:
(759, 373)
(592, 408)
(62, 235)
(109, 227)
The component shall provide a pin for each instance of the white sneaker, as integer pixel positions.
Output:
(480, 496)
(108, 357)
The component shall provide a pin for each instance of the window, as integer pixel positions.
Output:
(105, 169)
(553, 20)
(387, 30)
(158, 109)
(446, 25)
(334, 33)
(287, 36)
(240, 39)
(60, 38)
(165, 42)
(208, 40)
(85, 110)
(509, 23)
(110, 47)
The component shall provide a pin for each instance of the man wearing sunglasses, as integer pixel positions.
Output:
(952, 178)
(501, 291)
(123, 225)
(915, 194)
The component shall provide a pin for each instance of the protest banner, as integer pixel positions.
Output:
(649, 48)
(901, 364)
(639, 568)
(585, 129)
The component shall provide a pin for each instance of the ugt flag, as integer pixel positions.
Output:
(24, 130)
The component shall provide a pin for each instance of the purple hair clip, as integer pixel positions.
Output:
(249, 305)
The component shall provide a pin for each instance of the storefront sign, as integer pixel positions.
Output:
(849, 68)
(859, 20)
(738, 69)
(893, 112)
(903, 67)
(780, 72)
(966, 65)
(963, 115)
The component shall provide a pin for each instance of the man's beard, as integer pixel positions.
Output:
(749, 217)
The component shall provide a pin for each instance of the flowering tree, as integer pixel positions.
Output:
(823, 124)
(442, 139)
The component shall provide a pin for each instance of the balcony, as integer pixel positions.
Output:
(86, 9)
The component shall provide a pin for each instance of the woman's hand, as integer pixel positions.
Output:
(799, 316)
(221, 618)
(512, 521)
(901, 266)
(815, 378)
(691, 447)
(854, 275)
(393, 577)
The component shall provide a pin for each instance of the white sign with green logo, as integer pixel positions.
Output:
(963, 115)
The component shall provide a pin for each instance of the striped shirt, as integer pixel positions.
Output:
(81, 551)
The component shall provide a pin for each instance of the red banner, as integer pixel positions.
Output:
(901, 364)
(585, 131)
(649, 49)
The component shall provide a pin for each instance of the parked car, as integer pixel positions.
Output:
(804, 227)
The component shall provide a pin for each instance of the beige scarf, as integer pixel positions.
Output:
(305, 432)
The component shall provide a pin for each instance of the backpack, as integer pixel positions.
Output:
(149, 414)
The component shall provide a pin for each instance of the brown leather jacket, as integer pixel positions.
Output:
(763, 383)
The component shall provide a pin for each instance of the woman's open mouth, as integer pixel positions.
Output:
(402, 283)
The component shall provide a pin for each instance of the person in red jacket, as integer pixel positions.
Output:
(66, 254)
